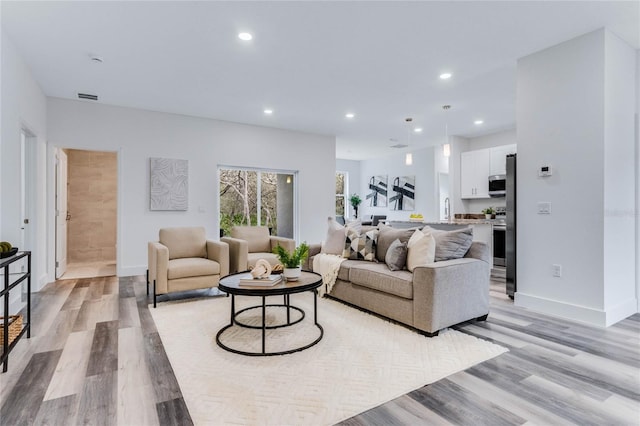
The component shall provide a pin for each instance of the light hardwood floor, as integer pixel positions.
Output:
(95, 357)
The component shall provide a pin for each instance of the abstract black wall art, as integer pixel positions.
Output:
(377, 191)
(403, 190)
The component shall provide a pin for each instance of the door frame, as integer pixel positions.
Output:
(51, 204)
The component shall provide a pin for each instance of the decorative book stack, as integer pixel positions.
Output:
(261, 282)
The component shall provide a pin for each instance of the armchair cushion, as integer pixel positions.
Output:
(192, 267)
(184, 242)
(257, 237)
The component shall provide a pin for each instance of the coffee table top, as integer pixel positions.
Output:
(307, 281)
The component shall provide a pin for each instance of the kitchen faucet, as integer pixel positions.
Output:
(447, 209)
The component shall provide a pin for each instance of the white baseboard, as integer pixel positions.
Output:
(591, 316)
(128, 271)
(621, 311)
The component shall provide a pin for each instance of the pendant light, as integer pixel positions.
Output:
(446, 148)
(408, 158)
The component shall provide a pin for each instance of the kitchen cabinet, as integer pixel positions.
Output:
(498, 158)
(474, 173)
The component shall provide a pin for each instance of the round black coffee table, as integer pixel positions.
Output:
(308, 281)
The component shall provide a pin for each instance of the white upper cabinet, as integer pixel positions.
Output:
(498, 161)
(474, 173)
(476, 167)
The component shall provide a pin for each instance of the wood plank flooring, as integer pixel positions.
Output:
(95, 357)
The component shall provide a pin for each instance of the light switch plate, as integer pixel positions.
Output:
(544, 207)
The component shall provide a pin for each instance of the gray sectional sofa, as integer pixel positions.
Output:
(430, 298)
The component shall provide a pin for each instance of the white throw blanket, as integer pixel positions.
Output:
(327, 265)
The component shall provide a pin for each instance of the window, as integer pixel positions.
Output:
(256, 197)
(342, 183)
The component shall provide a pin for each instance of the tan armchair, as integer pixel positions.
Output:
(247, 244)
(184, 259)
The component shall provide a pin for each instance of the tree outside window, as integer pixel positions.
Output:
(342, 179)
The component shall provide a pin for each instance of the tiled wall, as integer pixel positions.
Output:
(92, 204)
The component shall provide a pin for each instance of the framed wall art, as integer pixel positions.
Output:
(169, 184)
(377, 191)
(403, 190)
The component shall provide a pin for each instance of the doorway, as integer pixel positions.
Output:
(86, 213)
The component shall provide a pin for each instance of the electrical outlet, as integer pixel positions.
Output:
(557, 270)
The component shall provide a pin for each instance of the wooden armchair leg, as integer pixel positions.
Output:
(154, 293)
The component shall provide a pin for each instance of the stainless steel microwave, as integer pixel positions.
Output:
(497, 185)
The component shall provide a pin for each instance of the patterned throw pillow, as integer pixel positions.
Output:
(360, 247)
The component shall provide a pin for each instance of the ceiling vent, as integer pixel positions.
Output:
(88, 96)
(399, 145)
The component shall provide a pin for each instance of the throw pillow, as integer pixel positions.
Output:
(421, 249)
(360, 247)
(387, 236)
(334, 242)
(396, 256)
(452, 244)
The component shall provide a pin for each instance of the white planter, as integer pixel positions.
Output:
(487, 216)
(291, 274)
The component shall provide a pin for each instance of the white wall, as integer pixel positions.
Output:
(619, 178)
(137, 135)
(563, 119)
(394, 165)
(23, 107)
(353, 168)
(637, 157)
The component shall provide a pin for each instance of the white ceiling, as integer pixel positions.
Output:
(311, 62)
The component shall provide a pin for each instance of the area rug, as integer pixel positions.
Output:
(361, 362)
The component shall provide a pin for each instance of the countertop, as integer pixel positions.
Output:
(449, 222)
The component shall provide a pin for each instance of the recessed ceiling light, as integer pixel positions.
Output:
(418, 130)
(96, 59)
(268, 111)
(445, 75)
(245, 36)
(478, 122)
(349, 115)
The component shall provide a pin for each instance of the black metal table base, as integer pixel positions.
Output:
(264, 327)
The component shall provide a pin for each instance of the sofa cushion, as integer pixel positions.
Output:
(452, 244)
(396, 257)
(360, 247)
(388, 235)
(377, 276)
(421, 249)
(184, 242)
(345, 269)
(192, 267)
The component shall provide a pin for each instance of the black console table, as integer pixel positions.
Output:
(7, 346)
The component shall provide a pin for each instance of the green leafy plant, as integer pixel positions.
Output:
(489, 210)
(293, 259)
(355, 200)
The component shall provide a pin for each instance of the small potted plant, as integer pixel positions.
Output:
(488, 212)
(355, 201)
(291, 261)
